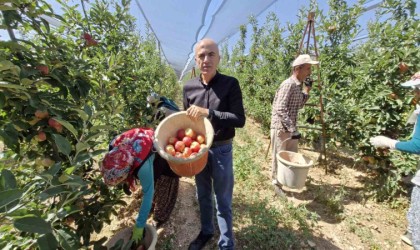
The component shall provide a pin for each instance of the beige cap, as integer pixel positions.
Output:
(303, 59)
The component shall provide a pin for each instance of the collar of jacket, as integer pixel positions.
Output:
(212, 80)
(296, 80)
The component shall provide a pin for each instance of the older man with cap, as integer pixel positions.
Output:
(289, 98)
(412, 236)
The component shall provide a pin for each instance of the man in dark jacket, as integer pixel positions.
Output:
(219, 98)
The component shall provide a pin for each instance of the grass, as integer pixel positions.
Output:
(263, 220)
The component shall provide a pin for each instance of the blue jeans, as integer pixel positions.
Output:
(217, 176)
(413, 217)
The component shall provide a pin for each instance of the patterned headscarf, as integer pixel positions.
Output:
(129, 151)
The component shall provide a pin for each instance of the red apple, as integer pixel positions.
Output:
(179, 146)
(59, 127)
(190, 133)
(41, 136)
(195, 146)
(43, 69)
(53, 123)
(187, 141)
(91, 42)
(180, 134)
(87, 36)
(41, 114)
(170, 149)
(193, 154)
(403, 67)
(187, 152)
(172, 140)
(178, 154)
(201, 139)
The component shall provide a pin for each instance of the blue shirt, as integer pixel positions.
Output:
(412, 146)
(145, 175)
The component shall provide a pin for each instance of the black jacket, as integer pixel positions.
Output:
(223, 97)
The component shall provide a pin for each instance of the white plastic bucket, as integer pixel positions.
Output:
(150, 238)
(292, 169)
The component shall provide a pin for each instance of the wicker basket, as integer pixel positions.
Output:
(168, 127)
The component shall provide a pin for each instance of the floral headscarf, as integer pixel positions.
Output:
(129, 151)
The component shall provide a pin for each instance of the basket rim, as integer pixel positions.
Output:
(168, 157)
(309, 162)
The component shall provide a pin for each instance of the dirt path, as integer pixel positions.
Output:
(346, 220)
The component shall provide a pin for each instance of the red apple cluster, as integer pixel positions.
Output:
(185, 144)
(56, 125)
(89, 40)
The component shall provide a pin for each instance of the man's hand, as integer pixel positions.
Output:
(197, 112)
(383, 142)
(137, 234)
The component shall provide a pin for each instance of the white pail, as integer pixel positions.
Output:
(292, 169)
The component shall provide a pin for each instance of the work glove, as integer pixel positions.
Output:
(296, 135)
(383, 142)
(137, 234)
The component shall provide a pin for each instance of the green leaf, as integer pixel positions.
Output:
(10, 86)
(7, 180)
(67, 239)
(47, 242)
(82, 114)
(32, 224)
(9, 196)
(100, 127)
(26, 81)
(88, 110)
(69, 170)
(10, 137)
(6, 7)
(80, 146)
(67, 125)
(54, 169)
(53, 191)
(63, 144)
(2, 100)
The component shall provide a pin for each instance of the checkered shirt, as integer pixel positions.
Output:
(288, 100)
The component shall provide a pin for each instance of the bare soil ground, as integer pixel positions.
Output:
(359, 224)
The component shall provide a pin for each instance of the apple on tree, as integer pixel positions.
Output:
(53, 123)
(41, 114)
(43, 69)
(41, 136)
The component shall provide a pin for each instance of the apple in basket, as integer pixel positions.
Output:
(180, 134)
(190, 133)
(170, 149)
(201, 139)
(195, 146)
(172, 140)
(187, 141)
(179, 146)
(187, 152)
